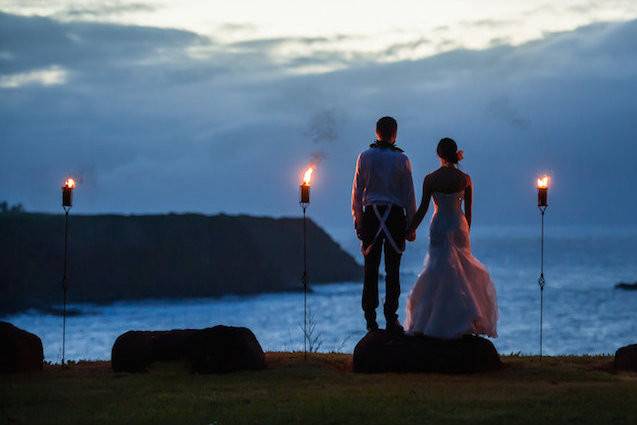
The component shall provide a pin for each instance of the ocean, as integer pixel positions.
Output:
(583, 312)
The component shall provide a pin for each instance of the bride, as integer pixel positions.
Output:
(454, 294)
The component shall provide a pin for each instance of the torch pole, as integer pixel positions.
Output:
(305, 282)
(305, 201)
(541, 280)
(65, 279)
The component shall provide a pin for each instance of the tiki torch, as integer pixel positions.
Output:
(67, 203)
(542, 204)
(305, 202)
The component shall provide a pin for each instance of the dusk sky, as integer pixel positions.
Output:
(218, 106)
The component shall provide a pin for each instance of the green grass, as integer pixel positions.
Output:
(554, 390)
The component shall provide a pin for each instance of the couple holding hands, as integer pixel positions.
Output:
(453, 295)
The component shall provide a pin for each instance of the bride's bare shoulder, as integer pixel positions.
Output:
(429, 178)
(433, 174)
(468, 181)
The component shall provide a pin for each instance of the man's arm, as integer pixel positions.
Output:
(410, 196)
(409, 199)
(357, 198)
(424, 206)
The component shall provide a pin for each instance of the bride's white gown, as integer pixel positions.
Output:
(454, 294)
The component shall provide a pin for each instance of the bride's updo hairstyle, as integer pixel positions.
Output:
(448, 150)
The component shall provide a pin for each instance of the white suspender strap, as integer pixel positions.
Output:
(382, 227)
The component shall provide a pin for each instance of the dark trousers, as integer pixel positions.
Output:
(396, 224)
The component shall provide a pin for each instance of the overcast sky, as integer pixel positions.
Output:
(185, 106)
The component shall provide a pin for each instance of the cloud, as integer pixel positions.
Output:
(51, 76)
(237, 27)
(490, 23)
(272, 43)
(300, 54)
(121, 52)
(498, 41)
(102, 10)
(590, 7)
(36, 42)
(156, 127)
(409, 46)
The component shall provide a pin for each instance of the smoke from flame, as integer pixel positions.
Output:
(322, 129)
(323, 125)
(543, 182)
(317, 157)
(307, 176)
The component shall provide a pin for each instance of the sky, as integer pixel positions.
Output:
(215, 107)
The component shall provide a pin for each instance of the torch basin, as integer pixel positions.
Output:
(67, 197)
(542, 197)
(305, 194)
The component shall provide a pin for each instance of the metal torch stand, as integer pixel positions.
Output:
(541, 280)
(65, 279)
(305, 282)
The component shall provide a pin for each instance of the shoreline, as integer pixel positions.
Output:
(74, 310)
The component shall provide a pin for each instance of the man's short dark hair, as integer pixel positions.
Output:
(386, 128)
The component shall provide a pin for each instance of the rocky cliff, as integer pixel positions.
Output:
(116, 257)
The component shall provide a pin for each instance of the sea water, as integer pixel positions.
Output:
(583, 312)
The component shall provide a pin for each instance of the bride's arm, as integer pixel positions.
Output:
(422, 209)
(468, 200)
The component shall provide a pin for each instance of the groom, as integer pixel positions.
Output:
(383, 204)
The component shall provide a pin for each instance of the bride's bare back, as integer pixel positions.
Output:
(446, 179)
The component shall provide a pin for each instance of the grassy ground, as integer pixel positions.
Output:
(555, 390)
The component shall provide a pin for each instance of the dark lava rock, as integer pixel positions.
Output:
(224, 349)
(134, 351)
(626, 358)
(212, 350)
(626, 286)
(20, 351)
(379, 351)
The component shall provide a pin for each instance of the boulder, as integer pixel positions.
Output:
(626, 286)
(223, 349)
(20, 351)
(212, 350)
(380, 352)
(134, 351)
(626, 358)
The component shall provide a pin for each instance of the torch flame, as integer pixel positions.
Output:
(543, 182)
(308, 176)
(70, 183)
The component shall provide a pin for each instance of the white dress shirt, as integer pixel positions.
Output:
(383, 176)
